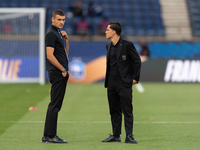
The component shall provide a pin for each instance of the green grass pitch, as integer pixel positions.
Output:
(166, 117)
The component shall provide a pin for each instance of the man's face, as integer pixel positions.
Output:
(109, 32)
(58, 21)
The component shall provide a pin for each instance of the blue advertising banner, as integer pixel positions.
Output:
(19, 67)
(87, 62)
(19, 60)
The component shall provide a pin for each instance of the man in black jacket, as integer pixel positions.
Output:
(57, 48)
(123, 71)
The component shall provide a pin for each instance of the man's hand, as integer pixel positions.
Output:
(134, 82)
(64, 35)
(64, 74)
(66, 39)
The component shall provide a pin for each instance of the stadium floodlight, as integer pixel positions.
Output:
(22, 54)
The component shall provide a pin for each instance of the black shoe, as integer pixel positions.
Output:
(55, 139)
(130, 139)
(44, 139)
(112, 138)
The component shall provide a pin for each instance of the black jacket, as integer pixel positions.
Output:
(128, 62)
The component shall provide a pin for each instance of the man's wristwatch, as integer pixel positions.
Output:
(64, 70)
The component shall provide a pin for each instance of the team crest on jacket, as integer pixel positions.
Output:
(124, 57)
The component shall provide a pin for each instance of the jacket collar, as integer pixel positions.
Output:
(53, 27)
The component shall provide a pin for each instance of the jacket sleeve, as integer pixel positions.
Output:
(135, 60)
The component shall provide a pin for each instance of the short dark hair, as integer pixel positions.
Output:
(58, 12)
(116, 26)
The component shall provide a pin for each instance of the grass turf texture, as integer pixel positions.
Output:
(166, 117)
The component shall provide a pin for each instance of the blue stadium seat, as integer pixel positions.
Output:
(14, 4)
(194, 13)
(4, 4)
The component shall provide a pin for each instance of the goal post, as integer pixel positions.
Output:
(22, 47)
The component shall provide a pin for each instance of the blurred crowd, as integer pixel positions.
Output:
(81, 20)
(7, 28)
(80, 9)
(83, 15)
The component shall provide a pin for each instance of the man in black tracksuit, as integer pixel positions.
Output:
(57, 49)
(123, 71)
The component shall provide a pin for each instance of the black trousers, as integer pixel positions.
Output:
(58, 87)
(120, 101)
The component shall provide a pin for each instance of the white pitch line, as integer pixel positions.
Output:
(96, 122)
(163, 122)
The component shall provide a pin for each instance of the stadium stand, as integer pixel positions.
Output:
(176, 19)
(193, 7)
(171, 20)
(138, 23)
